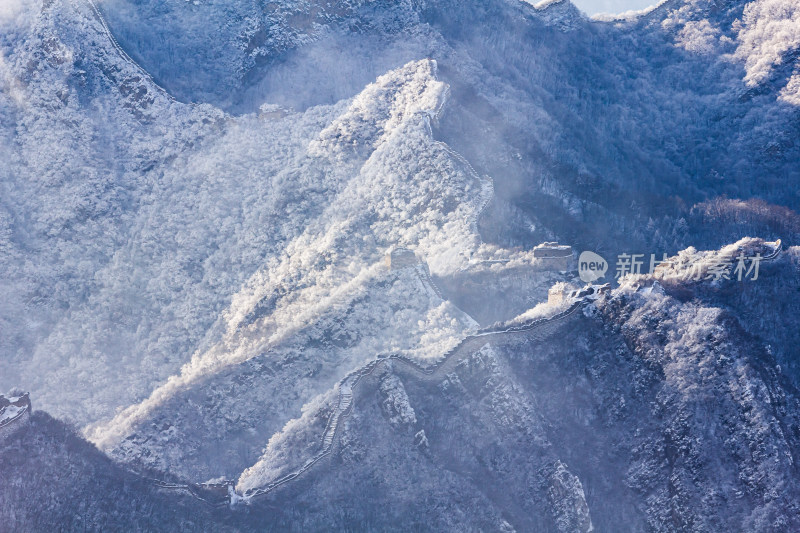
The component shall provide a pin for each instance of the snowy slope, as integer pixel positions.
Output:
(195, 284)
(377, 162)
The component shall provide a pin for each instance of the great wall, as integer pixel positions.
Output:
(14, 411)
(123, 54)
(347, 385)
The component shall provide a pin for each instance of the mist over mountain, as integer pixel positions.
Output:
(276, 262)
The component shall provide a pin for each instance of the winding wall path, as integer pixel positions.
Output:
(347, 385)
(123, 53)
(466, 347)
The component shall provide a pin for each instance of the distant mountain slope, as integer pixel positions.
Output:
(699, 76)
(82, 128)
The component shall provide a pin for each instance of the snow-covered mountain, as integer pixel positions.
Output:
(648, 410)
(288, 245)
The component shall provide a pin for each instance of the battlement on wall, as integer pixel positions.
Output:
(400, 258)
(553, 256)
(14, 412)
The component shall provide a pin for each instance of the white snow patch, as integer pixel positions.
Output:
(768, 30)
(9, 412)
(394, 185)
